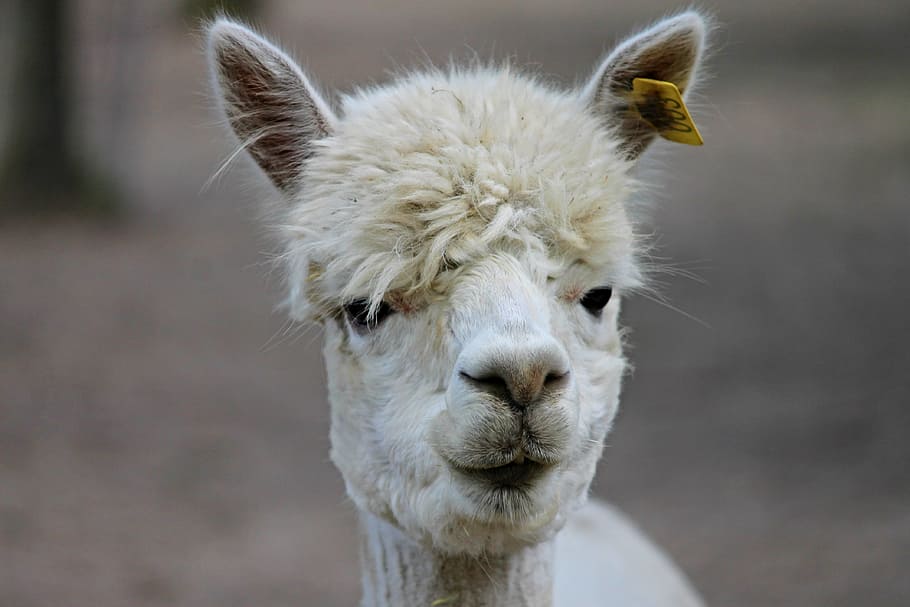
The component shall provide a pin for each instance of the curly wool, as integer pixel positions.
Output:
(443, 167)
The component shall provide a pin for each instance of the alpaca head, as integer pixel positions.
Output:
(463, 237)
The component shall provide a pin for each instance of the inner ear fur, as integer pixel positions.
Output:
(269, 102)
(671, 50)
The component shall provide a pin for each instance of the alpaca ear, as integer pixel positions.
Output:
(272, 107)
(670, 51)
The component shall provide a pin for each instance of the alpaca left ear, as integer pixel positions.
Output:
(273, 108)
(670, 51)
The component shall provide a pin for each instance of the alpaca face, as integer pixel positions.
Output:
(475, 422)
(464, 239)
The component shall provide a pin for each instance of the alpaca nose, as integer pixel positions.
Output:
(518, 369)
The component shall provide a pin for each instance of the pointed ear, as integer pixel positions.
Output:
(272, 107)
(670, 50)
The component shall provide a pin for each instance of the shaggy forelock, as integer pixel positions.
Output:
(444, 167)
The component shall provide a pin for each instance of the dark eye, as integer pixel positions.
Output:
(358, 314)
(595, 300)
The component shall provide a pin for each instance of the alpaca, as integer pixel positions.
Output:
(463, 237)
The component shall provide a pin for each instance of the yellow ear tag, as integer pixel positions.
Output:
(660, 105)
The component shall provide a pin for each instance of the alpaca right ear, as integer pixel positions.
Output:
(272, 107)
(669, 51)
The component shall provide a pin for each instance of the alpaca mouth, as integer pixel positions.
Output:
(516, 474)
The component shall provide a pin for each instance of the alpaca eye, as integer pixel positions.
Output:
(358, 314)
(595, 300)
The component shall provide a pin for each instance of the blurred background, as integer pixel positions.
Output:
(163, 435)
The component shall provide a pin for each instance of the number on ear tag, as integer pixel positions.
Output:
(661, 105)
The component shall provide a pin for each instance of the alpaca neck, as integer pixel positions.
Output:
(399, 572)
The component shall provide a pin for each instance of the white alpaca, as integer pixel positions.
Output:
(463, 237)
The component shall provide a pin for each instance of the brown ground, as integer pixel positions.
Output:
(163, 442)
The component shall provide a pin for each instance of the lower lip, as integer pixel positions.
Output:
(509, 475)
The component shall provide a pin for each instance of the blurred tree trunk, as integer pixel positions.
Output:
(41, 170)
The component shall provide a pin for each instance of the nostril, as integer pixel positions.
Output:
(487, 382)
(555, 379)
